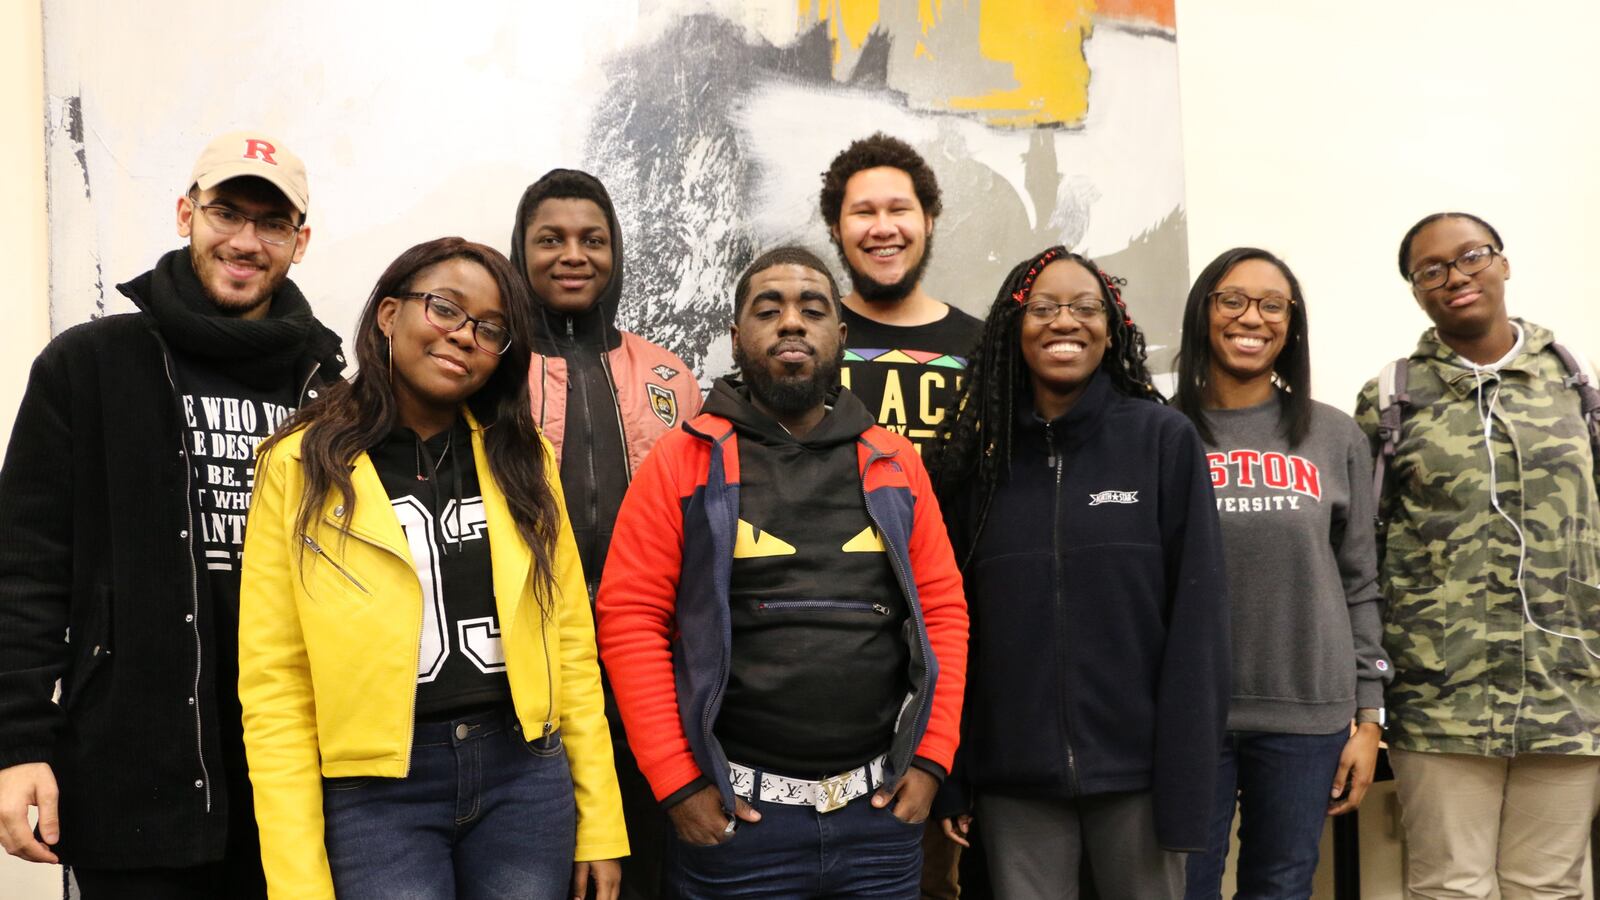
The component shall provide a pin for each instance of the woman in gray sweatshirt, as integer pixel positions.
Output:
(1292, 480)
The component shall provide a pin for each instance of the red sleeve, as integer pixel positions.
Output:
(944, 612)
(637, 607)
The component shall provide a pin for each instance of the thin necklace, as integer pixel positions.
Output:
(423, 476)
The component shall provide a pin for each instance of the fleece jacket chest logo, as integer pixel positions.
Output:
(1113, 497)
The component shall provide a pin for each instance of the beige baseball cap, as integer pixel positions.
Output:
(252, 153)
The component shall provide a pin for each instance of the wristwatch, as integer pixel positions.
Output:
(1372, 717)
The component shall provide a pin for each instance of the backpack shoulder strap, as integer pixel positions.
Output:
(1580, 375)
(1392, 401)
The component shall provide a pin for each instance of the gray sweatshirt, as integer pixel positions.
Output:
(1298, 536)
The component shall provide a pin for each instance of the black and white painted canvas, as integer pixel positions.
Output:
(711, 121)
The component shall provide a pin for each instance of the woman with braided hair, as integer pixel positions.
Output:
(1081, 512)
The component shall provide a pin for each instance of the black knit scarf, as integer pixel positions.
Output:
(258, 352)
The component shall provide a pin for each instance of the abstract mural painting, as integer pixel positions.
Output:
(1047, 121)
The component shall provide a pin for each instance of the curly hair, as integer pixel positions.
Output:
(973, 442)
(878, 150)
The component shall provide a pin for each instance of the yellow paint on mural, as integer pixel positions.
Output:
(1040, 40)
(1043, 42)
(851, 19)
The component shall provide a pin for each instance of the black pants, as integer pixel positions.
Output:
(648, 826)
(237, 876)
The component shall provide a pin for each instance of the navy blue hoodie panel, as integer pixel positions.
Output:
(704, 639)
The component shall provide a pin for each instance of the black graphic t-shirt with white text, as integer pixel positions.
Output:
(907, 375)
(224, 420)
(433, 487)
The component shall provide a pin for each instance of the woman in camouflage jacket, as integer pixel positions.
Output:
(1490, 563)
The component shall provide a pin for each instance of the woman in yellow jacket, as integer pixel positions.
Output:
(422, 706)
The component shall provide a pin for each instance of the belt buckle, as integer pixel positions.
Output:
(831, 792)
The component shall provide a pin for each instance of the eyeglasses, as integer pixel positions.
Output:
(1436, 274)
(1232, 304)
(449, 318)
(1084, 310)
(228, 221)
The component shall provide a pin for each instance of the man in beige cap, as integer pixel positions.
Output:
(122, 505)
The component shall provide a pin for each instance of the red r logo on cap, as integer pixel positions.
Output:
(260, 150)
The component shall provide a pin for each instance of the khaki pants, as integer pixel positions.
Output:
(1485, 827)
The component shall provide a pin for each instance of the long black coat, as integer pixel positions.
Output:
(98, 589)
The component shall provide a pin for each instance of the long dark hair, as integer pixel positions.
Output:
(354, 416)
(1292, 368)
(973, 442)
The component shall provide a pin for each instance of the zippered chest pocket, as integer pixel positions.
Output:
(798, 604)
(327, 576)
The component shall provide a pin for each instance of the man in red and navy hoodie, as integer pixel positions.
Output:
(783, 621)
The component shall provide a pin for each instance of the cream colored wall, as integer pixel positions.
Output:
(23, 229)
(1317, 130)
(23, 248)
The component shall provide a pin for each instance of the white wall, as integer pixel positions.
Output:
(1318, 130)
(1322, 131)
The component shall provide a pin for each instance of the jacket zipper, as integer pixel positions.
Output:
(306, 385)
(411, 720)
(721, 683)
(1055, 462)
(194, 583)
(616, 406)
(317, 549)
(588, 426)
(925, 690)
(853, 605)
(549, 683)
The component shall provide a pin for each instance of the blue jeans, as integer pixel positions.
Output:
(796, 852)
(1282, 783)
(483, 814)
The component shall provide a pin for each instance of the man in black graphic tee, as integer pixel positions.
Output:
(906, 352)
(122, 507)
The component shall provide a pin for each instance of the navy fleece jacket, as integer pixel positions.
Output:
(1099, 657)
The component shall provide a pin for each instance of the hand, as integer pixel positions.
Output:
(699, 818)
(956, 828)
(606, 875)
(912, 796)
(22, 786)
(1356, 765)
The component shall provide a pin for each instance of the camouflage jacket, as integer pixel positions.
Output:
(1472, 673)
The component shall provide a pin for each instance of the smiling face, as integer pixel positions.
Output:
(788, 340)
(883, 233)
(1061, 354)
(435, 372)
(1245, 349)
(1465, 306)
(240, 272)
(567, 246)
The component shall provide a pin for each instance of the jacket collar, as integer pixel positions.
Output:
(1079, 422)
(1457, 374)
(376, 523)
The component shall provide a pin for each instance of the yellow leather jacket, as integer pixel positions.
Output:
(328, 653)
